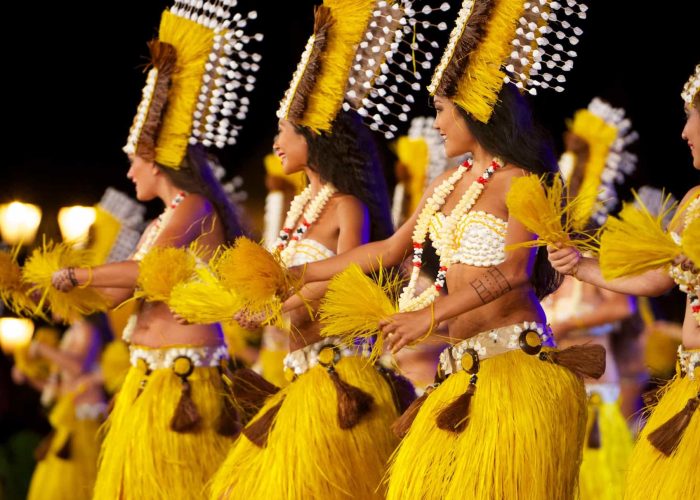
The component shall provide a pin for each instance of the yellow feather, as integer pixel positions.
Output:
(161, 269)
(636, 241)
(691, 241)
(355, 303)
(37, 272)
(204, 299)
(413, 153)
(12, 291)
(344, 35)
(193, 43)
(545, 211)
(600, 137)
(257, 276)
(105, 231)
(478, 89)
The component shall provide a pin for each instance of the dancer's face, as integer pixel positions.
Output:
(691, 133)
(452, 127)
(291, 148)
(145, 175)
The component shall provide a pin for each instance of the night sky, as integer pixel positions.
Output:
(72, 88)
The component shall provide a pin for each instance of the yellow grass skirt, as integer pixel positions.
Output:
(523, 439)
(142, 458)
(604, 462)
(73, 477)
(652, 475)
(308, 456)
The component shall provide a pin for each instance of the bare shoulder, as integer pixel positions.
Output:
(691, 194)
(347, 204)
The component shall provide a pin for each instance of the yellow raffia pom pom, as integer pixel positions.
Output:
(37, 368)
(114, 364)
(12, 291)
(257, 276)
(204, 299)
(635, 241)
(37, 272)
(355, 303)
(161, 269)
(545, 211)
(691, 241)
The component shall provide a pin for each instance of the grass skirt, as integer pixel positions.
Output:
(605, 461)
(308, 456)
(142, 458)
(523, 439)
(73, 477)
(652, 475)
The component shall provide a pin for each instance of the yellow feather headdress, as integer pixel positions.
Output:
(497, 41)
(196, 90)
(607, 133)
(691, 87)
(361, 54)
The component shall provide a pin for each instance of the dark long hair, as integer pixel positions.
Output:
(347, 157)
(513, 135)
(196, 176)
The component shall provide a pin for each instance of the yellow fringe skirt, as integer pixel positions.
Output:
(522, 441)
(653, 475)
(607, 447)
(142, 457)
(68, 470)
(308, 455)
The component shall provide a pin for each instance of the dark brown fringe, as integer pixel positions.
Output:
(594, 441)
(258, 431)
(228, 423)
(401, 388)
(163, 58)
(668, 436)
(65, 451)
(186, 417)
(250, 390)
(651, 397)
(584, 360)
(42, 449)
(353, 402)
(472, 35)
(403, 423)
(455, 416)
(323, 20)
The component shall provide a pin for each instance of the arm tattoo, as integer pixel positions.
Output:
(491, 285)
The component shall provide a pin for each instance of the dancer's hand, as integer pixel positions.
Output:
(181, 320)
(248, 320)
(564, 260)
(64, 280)
(686, 264)
(403, 329)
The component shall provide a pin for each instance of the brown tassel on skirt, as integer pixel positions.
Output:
(65, 451)
(594, 441)
(250, 390)
(403, 423)
(668, 436)
(584, 360)
(455, 416)
(186, 417)
(353, 402)
(258, 431)
(402, 389)
(42, 449)
(228, 423)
